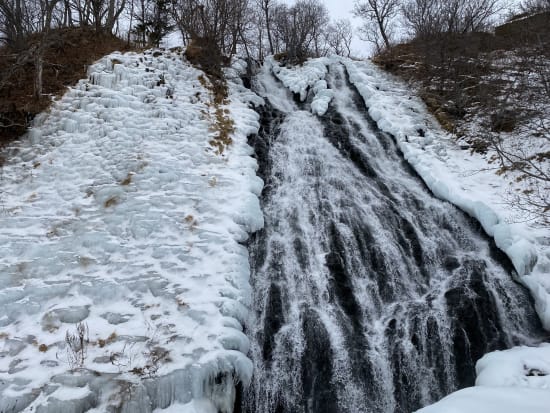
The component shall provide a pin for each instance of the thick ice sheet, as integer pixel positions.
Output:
(117, 214)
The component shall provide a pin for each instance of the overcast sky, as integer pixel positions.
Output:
(342, 9)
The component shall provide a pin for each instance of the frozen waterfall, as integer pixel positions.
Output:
(370, 295)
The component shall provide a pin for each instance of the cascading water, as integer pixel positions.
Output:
(370, 295)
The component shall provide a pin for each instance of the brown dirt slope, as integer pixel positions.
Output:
(452, 70)
(69, 52)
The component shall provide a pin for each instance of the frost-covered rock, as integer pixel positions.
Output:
(124, 278)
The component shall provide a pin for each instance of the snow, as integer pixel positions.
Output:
(195, 406)
(492, 400)
(300, 80)
(517, 367)
(118, 214)
(509, 381)
(322, 97)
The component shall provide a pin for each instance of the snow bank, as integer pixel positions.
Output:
(455, 176)
(492, 400)
(119, 217)
(510, 381)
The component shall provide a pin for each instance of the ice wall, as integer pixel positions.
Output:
(124, 279)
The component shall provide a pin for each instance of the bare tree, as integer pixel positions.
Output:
(339, 35)
(19, 18)
(300, 29)
(535, 6)
(378, 16)
(266, 6)
(428, 18)
(153, 21)
(423, 17)
(214, 24)
(103, 15)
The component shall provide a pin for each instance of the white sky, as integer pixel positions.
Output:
(342, 9)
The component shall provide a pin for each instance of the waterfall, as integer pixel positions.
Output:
(370, 295)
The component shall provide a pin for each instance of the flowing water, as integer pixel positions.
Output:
(370, 295)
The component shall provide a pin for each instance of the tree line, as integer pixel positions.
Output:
(252, 27)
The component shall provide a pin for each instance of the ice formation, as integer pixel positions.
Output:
(124, 279)
(300, 80)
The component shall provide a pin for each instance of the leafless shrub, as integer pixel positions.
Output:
(77, 345)
(378, 16)
(533, 170)
(154, 357)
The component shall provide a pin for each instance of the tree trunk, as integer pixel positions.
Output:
(38, 67)
(268, 28)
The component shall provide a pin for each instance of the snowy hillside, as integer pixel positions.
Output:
(124, 282)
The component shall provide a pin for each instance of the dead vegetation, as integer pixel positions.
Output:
(492, 92)
(222, 126)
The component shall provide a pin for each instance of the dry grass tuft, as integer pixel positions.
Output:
(128, 180)
(111, 202)
(221, 123)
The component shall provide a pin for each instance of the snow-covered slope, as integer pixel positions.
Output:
(124, 282)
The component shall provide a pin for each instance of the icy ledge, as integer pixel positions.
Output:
(299, 80)
(454, 176)
(119, 218)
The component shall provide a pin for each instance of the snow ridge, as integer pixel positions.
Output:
(120, 221)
